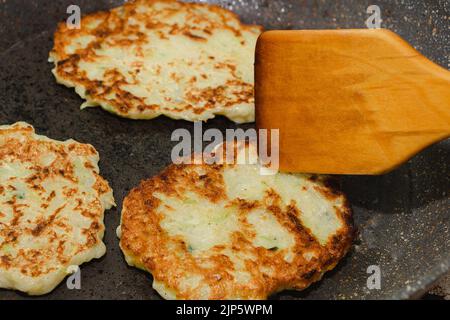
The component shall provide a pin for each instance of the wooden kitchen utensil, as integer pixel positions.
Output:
(348, 101)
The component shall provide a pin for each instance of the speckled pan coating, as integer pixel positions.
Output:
(403, 217)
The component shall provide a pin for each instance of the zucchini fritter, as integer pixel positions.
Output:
(148, 58)
(224, 231)
(52, 201)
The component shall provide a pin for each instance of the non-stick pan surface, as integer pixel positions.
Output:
(402, 217)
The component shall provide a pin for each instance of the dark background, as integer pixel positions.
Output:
(403, 217)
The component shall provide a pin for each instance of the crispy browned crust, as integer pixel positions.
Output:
(21, 146)
(116, 23)
(147, 242)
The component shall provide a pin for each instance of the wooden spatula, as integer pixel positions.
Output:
(348, 101)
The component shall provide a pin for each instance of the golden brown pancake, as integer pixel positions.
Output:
(147, 58)
(224, 231)
(52, 200)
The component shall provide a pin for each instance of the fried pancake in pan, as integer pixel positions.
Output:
(147, 58)
(52, 201)
(224, 231)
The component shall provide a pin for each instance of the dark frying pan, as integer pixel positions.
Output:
(402, 217)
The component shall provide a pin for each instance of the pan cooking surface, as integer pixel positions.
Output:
(402, 217)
